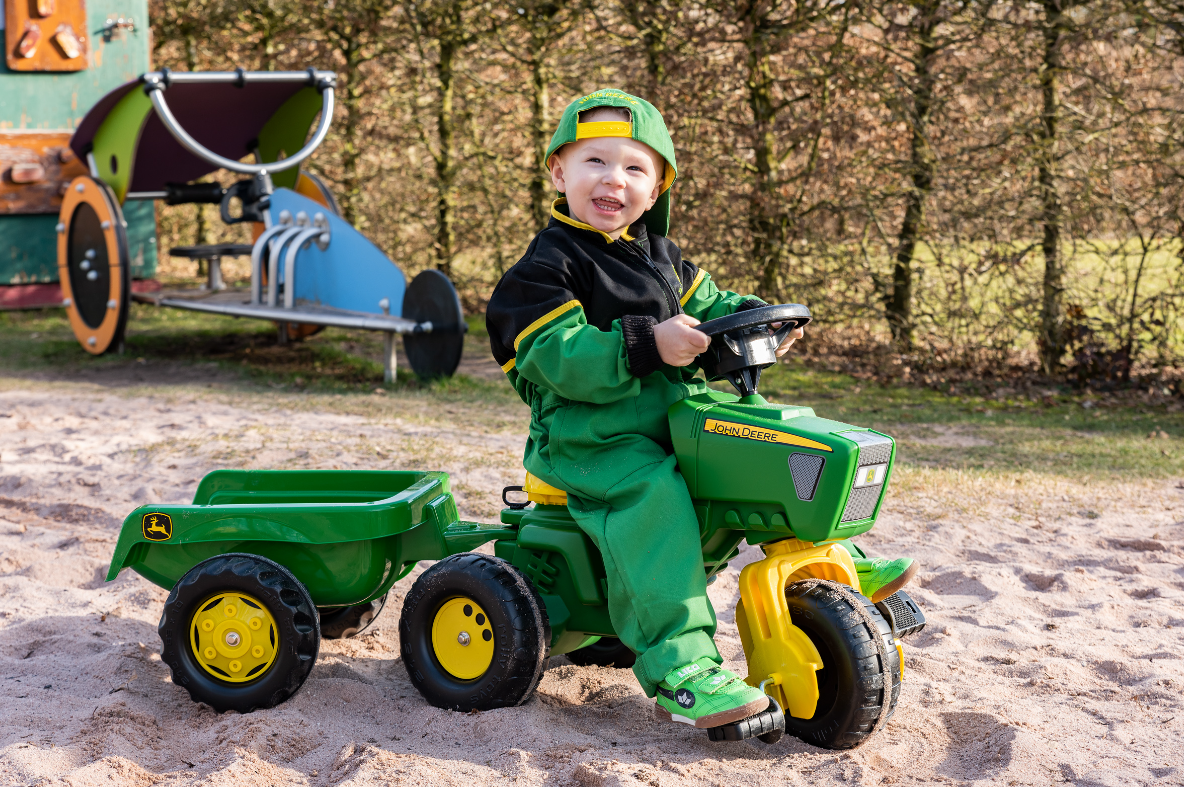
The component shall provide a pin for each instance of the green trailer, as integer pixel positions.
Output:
(264, 564)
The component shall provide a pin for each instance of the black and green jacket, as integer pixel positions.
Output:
(576, 315)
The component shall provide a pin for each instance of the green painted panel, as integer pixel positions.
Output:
(28, 250)
(115, 141)
(59, 101)
(287, 131)
(141, 237)
(29, 245)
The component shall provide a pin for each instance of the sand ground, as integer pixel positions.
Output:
(1054, 653)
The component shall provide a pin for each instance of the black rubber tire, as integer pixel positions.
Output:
(346, 622)
(285, 598)
(606, 652)
(430, 297)
(522, 633)
(850, 684)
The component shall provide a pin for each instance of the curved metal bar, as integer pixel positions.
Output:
(155, 90)
(257, 260)
(290, 264)
(239, 77)
(273, 262)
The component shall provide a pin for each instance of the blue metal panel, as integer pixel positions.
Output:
(352, 273)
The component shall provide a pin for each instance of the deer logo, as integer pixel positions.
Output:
(158, 527)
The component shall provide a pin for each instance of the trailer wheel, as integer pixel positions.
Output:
(605, 652)
(346, 622)
(459, 615)
(850, 683)
(239, 632)
(94, 265)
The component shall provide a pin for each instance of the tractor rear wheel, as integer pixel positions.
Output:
(850, 684)
(462, 612)
(346, 622)
(605, 652)
(239, 632)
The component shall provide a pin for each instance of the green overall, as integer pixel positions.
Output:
(602, 435)
(571, 324)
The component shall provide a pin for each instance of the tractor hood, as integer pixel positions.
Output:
(775, 470)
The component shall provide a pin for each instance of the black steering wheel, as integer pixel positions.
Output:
(745, 343)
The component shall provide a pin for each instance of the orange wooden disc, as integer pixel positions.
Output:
(93, 264)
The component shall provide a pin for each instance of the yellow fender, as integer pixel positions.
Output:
(775, 649)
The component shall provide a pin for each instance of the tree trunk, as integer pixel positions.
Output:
(1052, 334)
(767, 228)
(922, 164)
(201, 234)
(351, 154)
(445, 160)
(540, 121)
(653, 27)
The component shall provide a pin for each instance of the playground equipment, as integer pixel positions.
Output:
(150, 138)
(258, 553)
(60, 57)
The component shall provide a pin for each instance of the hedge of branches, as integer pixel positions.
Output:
(973, 184)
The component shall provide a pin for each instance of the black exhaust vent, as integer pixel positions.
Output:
(806, 469)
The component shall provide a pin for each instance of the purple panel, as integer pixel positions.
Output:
(224, 118)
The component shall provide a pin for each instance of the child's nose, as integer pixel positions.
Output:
(614, 176)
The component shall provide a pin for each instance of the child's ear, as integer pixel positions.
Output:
(556, 167)
(657, 192)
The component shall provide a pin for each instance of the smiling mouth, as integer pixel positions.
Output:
(608, 204)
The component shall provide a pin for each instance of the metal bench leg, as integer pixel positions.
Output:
(215, 283)
(388, 357)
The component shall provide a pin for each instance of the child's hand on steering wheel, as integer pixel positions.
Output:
(678, 342)
(789, 339)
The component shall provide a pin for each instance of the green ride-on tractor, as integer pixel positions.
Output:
(264, 564)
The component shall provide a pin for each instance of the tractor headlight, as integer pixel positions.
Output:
(871, 475)
(875, 450)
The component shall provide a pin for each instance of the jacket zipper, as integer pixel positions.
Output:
(667, 290)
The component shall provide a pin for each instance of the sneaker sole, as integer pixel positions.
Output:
(715, 719)
(895, 584)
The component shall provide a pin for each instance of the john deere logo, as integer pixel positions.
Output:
(158, 527)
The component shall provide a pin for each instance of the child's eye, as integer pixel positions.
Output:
(595, 160)
(637, 168)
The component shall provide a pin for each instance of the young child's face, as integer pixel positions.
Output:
(609, 181)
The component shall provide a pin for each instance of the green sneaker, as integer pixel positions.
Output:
(706, 695)
(880, 577)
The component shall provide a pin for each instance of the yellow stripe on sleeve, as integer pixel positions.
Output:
(546, 318)
(694, 286)
(508, 365)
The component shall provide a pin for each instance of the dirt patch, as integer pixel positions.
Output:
(1052, 652)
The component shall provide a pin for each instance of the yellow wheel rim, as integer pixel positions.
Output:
(462, 638)
(234, 637)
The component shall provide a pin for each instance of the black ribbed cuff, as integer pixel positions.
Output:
(641, 348)
(752, 303)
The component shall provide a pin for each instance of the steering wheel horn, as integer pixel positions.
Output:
(744, 344)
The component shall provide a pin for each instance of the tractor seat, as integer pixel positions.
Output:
(539, 491)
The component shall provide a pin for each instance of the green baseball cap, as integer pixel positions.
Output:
(647, 127)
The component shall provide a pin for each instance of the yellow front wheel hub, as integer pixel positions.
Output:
(234, 637)
(462, 638)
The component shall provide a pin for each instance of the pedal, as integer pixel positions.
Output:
(902, 614)
(768, 725)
